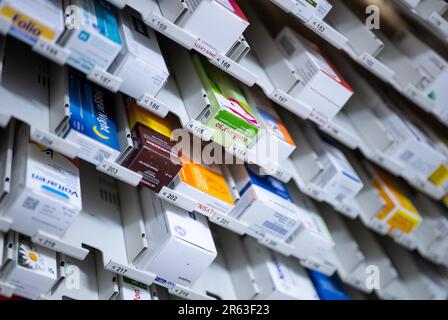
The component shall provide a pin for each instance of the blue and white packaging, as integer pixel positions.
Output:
(140, 63)
(91, 120)
(45, 189)
(265, 204)
(328, 288)
(182, 246)
(96, 41)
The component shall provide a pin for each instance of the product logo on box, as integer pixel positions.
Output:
(55, 187)
(102, 128)
(84, 36)
(180, 231)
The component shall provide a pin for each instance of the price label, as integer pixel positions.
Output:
(376, 66)
(223, 63)
(229, 223)
(205, 49)
(180, 292)
(54, 142)
(280, 98)
(52, 51)
(158, 24)
(105, 79)
(199, 130)
(46, 242)
(331, 35)
(278, 172)
(150, 104)
(307, 263)
(239, 151)
(119, 269)
(177, 199)
(118, 172)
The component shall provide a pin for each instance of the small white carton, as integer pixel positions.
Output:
(46, 190)
(337, 182)
(265, 204)
(33, 269)
(140, 63)
(217, 23)
(318, 84)
(96, 41)
(278, 277)
(33, 20)
(182, 246)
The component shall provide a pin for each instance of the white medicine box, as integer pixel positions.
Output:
(33, 20)
(265, 204)
(306, 9)
(337, 182)
(95, 42)
(182, 246)
(217, 23)
(46, 191)
(278, 277)
(32, 270)
(140, 63)
(317, 83)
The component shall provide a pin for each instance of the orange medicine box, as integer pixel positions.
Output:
(398, 213)
(153, 155)
(207, 185)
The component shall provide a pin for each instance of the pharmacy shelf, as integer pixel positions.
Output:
(430, 14)
(153, 17)
(372, 50)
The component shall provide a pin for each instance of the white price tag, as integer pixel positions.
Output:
(327, 32)
(179, 291)
(199, 130)
(150, 104)
(239, 151)
(52, 51)
(440, 23)
(54, 243)
(205, 49)
(119, 172)
(118, 269)
(376, 66)
(277, 172)
(55, 143)
(229, 223)
(281, 99)
(379, 226)
(177, 199)
(5, 25)
(311, 264)
(105, 79)
(223, 62)
(275, 245)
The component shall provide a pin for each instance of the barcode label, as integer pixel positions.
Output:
(275, 227)
(30, 203)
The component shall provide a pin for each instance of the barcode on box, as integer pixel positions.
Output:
(30, 203)
(275, 227)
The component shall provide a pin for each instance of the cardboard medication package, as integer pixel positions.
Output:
(97, 41)
(273, 138)
(319, 84)
(133, 290)
(265, 204)
(207, 185)
(278, 277)
(90, 120)
(32, 270)
(182, 244)
(217, 23)
(45, 189)
(153, 155)
(32, 20)
(229, 115)
(140, 63)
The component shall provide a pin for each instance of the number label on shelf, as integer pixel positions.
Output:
(105, 79)
(152, 105)
(199, 130)
(223, 63)
(46, 242)
(331, 35)
(239, 151)
(177, 199)
(119, 269)
(52, 51)
(229, 223)
(118, 172)
(54, 142)
(178, 291)
(281, 99)
(376, 66)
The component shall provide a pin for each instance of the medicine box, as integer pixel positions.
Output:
(317, 83)
(32, 270)
(46, 191)
(337, 181)
(278, 277)
(229, 114)
(90, 120)
(274, 140)
(133, 290)
(306, 9)
(398, 213)
(182, 245)
(140, 63)
(153, 155)
(264, 205)
(32, 20)
(217, 23)
(328, 288)
(207, 185)
(95, 42)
